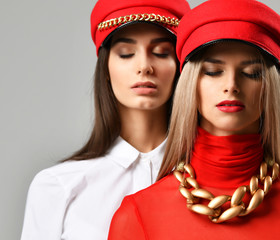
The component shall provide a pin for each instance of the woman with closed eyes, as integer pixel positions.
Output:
(134, 81)
(220, 173)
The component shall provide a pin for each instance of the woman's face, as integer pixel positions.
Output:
(142, 66)
(229, 89)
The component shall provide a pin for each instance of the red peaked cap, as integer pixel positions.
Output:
(116, 10)
(214, 20)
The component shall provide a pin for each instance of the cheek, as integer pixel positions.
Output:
(207, 97)
(167, 70)
(116, 71)
(202, 94)
(255, 94)
(115, 76)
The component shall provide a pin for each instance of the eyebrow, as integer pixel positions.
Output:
(159, 40)
(132, 41)
(213, 60)
(249, 62)
(124, 40)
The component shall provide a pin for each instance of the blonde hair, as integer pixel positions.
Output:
(184, 118)
(270, 130)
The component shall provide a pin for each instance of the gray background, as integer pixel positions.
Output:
(47, 62)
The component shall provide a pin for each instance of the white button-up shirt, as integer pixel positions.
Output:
(76, 200)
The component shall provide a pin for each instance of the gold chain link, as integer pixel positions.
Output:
(138, 17)
(214, 208)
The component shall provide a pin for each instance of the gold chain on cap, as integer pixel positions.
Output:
(237, 206)
(148, 17)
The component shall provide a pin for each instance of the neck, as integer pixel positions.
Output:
(144, 130)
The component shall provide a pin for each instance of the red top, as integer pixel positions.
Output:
(160, 212)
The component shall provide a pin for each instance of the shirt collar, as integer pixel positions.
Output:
(124, 154)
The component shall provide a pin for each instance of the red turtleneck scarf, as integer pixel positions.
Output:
(226, 161)
(159, 212)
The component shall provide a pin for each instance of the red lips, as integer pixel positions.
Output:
(230, 106)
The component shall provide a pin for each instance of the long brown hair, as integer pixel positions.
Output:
(184, 119)
(107, 125)
(106, 118)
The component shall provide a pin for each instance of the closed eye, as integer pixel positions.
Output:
(126, 55)
(256, 75)
(213, 74)
(161, 55)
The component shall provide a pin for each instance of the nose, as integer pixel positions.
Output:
(144, 65)
(231, 84)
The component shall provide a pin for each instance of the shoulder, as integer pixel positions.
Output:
(159, 189)
(135, 211)
(150, 195)
(150, 200)
(66, 175)
(126, 222)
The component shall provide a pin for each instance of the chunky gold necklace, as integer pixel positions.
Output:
(237, 206)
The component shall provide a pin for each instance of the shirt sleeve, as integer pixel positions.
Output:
(126, 223)
(45, 208)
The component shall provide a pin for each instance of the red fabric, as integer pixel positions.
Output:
(240, 155)
(160, 213)
(110, 9)
(246, 20)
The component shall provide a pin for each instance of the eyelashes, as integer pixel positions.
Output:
(161, 55)
(130, 55)
(127, 51)
(125, 56)
(254, 75)
(213, 73)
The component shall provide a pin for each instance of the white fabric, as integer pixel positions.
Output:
(76, 200)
